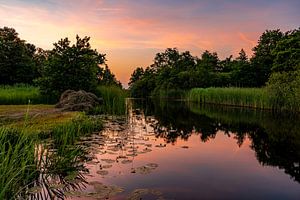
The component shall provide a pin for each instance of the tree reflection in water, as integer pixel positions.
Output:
(274, 138)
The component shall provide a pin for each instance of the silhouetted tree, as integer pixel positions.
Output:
(263, 58)
(16, 58)
(70, 67)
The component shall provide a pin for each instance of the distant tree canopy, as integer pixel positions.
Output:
(173, 70)
(17, 60)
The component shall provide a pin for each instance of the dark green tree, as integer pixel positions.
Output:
(284, 83)
(287, 53)
(263, 58)
(209, 62)
(243, 73)
(16, 58)
(136, 75)
(106, 77)
(70, 67)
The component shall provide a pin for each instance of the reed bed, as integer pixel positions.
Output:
(17, 161)
(20, 161)
(113, 100)
(20, 95)
(69, 132)
(243, 97)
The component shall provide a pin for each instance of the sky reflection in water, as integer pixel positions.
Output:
(175, 150)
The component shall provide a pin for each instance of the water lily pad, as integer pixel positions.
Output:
(126, 161)
(35, 190)
(92, 162)
(152, 165)
(131, 154)
(105, 166)
(138, 194)
(56, 186)
(104, 191)
(161, 145)
(109, 161)
(102, 172)
(122, 157)
(147, 150)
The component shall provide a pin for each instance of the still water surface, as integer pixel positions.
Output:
(178, 150)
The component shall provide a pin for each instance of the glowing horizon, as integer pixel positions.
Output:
(131, 32)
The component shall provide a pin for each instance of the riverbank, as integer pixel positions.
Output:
(24, 154)
(258, 98)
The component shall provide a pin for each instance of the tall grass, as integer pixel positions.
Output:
(69, 132)
(244, 97)
(20, 95)
(113, 100)
(17, 161)
(21, 162)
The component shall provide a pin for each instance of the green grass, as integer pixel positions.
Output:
(17, 161)
(20, 95)
(244, 97)
(21, 164)
(67, 133)
(113, 100)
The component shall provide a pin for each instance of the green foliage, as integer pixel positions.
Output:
(70, 67)
(284, 90)
(21, 95)
(17, 161)
(263, 58)
(67, 133)
(246, 97)
(284, 83)
(17, 64)
(106, 77)
(287, 53)
(176, 71)
(173, 70)
(24, 159)
(113, 100)
(136, 75)
(145, 85)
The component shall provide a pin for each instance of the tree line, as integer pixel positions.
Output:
(275, 60)
(67, 66)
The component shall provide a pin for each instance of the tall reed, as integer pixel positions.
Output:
(113, 100)
(21, 162)
(21, 95)
(244, 97)
(17, 161)
(67, 133)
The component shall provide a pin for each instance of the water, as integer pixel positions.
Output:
(176, 150)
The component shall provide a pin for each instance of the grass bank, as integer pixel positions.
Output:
(21, 94)
(260, 98)
(113, 100)
(21, 163)
(243, 97)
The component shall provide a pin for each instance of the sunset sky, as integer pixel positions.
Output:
(131, 32)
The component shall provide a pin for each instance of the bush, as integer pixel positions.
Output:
(284, 90)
